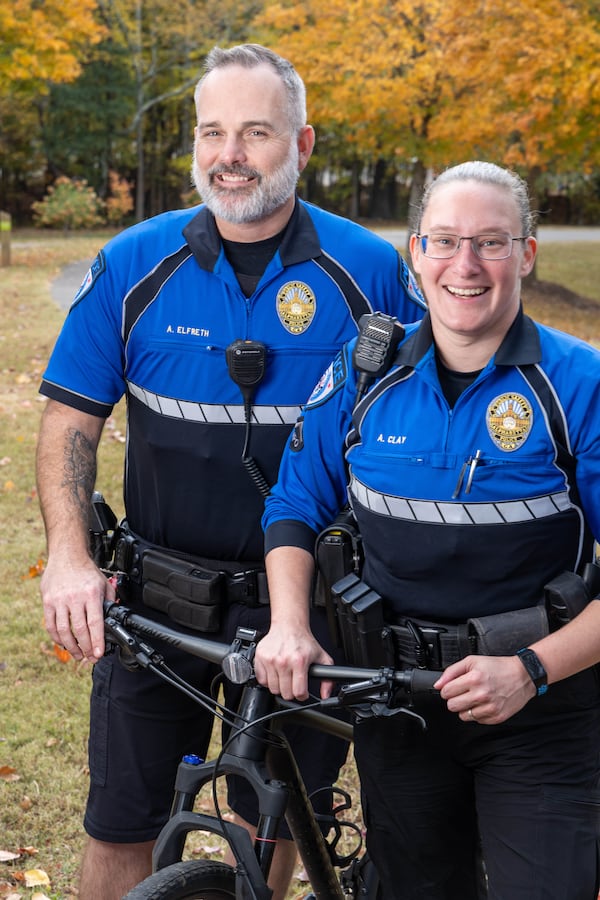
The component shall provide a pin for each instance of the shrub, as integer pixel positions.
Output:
(119, 201)
(69, 203)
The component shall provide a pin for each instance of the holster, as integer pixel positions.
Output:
(338, 552)
(568, 593)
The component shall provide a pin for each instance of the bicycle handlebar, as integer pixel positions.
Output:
(118, 618)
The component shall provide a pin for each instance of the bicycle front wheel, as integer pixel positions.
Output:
(199, 879)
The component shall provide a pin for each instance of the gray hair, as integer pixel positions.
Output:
(251, 55)
(485, 173)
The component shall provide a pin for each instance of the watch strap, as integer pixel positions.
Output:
(535, 669)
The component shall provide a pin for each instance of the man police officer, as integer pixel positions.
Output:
(166, 312)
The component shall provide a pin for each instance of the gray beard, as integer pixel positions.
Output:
(240, 206)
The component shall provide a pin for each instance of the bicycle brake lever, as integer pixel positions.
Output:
(349, 694)
(134, 649)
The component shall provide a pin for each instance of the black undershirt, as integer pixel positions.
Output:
(453, 383)
(249, 260)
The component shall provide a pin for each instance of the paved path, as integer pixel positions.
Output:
(546, 234)
(65, 286)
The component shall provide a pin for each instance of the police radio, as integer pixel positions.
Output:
(378, 339)
(246, 364)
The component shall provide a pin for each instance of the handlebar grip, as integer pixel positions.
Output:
(422, 681)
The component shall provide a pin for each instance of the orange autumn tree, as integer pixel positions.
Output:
(44, 42)
(439, 82)
(536, 100)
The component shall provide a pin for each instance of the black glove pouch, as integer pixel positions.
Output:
(184, 591)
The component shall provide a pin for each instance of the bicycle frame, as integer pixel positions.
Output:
(257, 752)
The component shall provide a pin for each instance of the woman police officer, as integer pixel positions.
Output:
(473, 470)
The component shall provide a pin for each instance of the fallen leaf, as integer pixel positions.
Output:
(26, 803)
(7, 856)
(9, 486)
(61, 654)
(35, 570)
(7, 773)
(37, 895)
(35, 877)
(28, 851)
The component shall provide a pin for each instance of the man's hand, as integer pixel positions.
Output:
(282, 660)
(486, 689)
(72, 594)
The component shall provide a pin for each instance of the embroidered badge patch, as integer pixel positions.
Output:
(509, 420)
(329, 382)
(296, 305)
(94, 272)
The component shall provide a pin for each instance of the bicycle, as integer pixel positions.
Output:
(260, 753)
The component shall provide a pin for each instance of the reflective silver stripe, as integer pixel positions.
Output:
(213, 413)
(437, 512)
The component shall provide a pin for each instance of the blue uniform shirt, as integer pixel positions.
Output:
(464, 511)
(153, 319)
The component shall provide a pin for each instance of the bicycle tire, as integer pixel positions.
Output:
(199, 879)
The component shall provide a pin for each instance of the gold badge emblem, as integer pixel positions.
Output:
(509, 420)
(296, 305)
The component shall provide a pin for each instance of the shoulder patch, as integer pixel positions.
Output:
(410, 283)
(330, 381)
(92, 275)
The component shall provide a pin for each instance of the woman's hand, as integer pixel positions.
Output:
(486, 689)
(282, 660)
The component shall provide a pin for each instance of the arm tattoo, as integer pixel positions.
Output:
(79, 470)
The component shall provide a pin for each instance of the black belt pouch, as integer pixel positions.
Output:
(184, 591)
(508, 632)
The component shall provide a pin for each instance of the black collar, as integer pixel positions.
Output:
(300, 242)
(520, 346)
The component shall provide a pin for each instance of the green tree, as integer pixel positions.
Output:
(85, 124)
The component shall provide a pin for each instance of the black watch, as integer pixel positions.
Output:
(535, 669)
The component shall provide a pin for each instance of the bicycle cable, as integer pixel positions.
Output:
(268, 738)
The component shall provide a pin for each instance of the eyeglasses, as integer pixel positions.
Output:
(485, 246)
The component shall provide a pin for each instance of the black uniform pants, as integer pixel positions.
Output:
(528, 789)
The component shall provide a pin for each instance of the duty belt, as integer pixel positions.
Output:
(247, 586)
(432, 646)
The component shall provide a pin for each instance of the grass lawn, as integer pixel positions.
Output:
(44, 701)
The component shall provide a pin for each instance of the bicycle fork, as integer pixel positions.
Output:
(268, 765)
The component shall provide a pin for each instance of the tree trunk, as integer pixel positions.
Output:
(417, 186)
(355, 198)
(534, 201)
